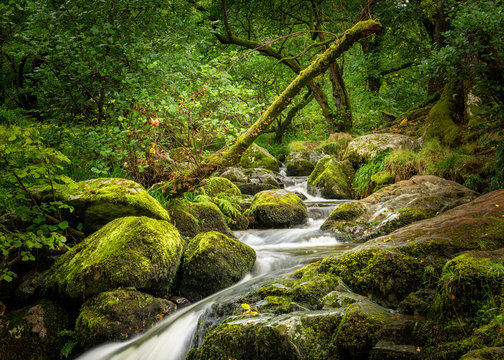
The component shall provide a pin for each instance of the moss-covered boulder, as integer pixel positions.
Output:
(212, 262)
(32, 333)
(276, 209)
(258, 157)
(490, 353)
(331, 179)
(390, 267)
(219, 186)
(118, 315)
(342, 333)
(234, 175)
(300, 167)
(395, 206)
(98, 201)
(193, 218)
(365, 148)
(131, 251)
(382, 179)
(250, 188)
(470, 282)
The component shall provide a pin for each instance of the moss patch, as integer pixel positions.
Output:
(213, 262)
(119, 314)
(331, 178)
(258, 157)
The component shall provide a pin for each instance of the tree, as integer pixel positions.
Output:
(181, 183)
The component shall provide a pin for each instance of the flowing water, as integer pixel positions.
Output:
(278, 251)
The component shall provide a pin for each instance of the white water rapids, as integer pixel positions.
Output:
(278, 251)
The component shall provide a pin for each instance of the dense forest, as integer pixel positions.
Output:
(182, 113)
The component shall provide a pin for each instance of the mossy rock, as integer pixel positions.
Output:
(131, 251)
(212, 262)
(440, 120)
(300, 167)
(490, 353)
(385, 276)
(234, 175)
(343, 214)
(98, 201)
(367, 147)
(331, 179)
(218, 186)
(277, 209)
(470, 282)
(32, 333)
(193, 218)
(347, 333)
(119, 314)
(249, 188)
(382, 179)
(258, 157)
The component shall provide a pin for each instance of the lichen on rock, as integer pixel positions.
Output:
(331, 179)
(258, 157)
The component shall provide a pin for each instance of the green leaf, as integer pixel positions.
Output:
(63, 225)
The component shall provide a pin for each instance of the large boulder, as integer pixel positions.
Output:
(32, 333)
(331, 179)
(299, 167)
(212, 262)
(387, 268)
(276, 209)
(258, 157)
(234, 175)
(119, 314)
(193, 218)
(302, 316)
(395, 206)
(366, 147)
(131, 251)
(98, 201)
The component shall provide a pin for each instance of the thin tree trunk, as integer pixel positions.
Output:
(180, 183)
(291, 114)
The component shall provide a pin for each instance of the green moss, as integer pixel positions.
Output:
(98, 201)
(278, 208)
(118, 314)
(331, 178)
(215, 186)
(258, 157)
(490, 353)
(300, 167)
(406, 216)
(212, 262)
(130, 251)
(192, 218)
(385, 276)
(382, 178)
(469, 282)
(440, 122)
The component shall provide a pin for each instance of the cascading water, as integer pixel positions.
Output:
(278, 251)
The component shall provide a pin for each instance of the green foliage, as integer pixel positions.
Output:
(362, 183)
(71, 343)
(26, 164)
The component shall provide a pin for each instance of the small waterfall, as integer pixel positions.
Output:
(279, 251)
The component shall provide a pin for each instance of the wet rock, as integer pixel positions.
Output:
(98, 201)
(130, 251)
(331, 179)
(212, 262)
(366, 147)
(258, 157)
(32, 333)
(254, 188)
(118, 315)
(299, 167)
(29, 288)
(390, 267)
(234, 175)
(490, 353)
(277, 209)
(396, 206)
(391, 351)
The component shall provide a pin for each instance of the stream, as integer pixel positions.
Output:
(279, 251)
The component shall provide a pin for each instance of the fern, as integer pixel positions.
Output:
(362, 179)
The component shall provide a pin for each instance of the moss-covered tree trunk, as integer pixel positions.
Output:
(180, 183)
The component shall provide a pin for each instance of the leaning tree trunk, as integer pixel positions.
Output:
(180, 183)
